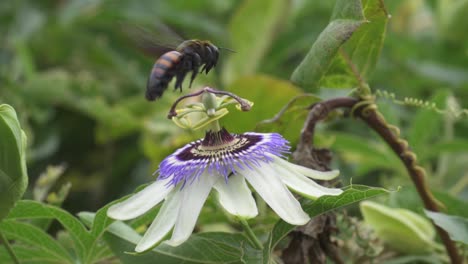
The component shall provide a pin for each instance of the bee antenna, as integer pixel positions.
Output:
(223, 48)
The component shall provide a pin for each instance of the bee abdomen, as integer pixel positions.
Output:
(162, 73)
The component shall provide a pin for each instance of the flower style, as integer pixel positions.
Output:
(222, 161)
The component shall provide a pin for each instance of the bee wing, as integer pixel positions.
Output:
(154, 39)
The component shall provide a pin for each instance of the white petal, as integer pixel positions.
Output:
(236, 197)
(314, 174)
(268, 184)
(194, 196)
(304, 185)
(140, 202)
(163, 223)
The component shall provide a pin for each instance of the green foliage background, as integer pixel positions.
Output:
(77, 83)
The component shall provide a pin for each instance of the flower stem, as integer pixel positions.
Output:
(251, 235)
(9, 249)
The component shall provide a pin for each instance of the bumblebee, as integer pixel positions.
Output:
(189, 56)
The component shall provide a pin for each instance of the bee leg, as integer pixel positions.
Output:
(208, 59)
(208, 55)
(183, 68)
(212, 58)
(216, 55)
(179, 79)
(195, 67)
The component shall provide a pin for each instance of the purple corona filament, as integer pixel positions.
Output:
(221, 152)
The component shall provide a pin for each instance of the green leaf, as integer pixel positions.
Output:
(101, 222)
(304, 23)
(26, 209)
(426, 126)
(35, 237)
(62, 88)
(252, 33)
(424, 259)
(339, 74)
(456, 226)
(453, 205)
(13, 173)
(408, 198)
(456, 145)
(98, 222)
(217, 247)
(365, 45)
(368, 154)
(401, 229)
(87, 246)
(347, 17)
(268, 94)
(101, 111)
(290, 119)
(351, 194)
(452, 19)
(29, 255)
(346, 48)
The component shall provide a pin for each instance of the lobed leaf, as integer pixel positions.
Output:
(27, 209)
(29, 255)
(37, 238)
(98, 222)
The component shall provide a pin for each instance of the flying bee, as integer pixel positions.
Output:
(189, 56)
(177, 61)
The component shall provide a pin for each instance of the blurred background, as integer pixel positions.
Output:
(76, 78)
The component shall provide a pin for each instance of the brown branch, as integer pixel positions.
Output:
(320, 111)
(313, 243)
(376, 121)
